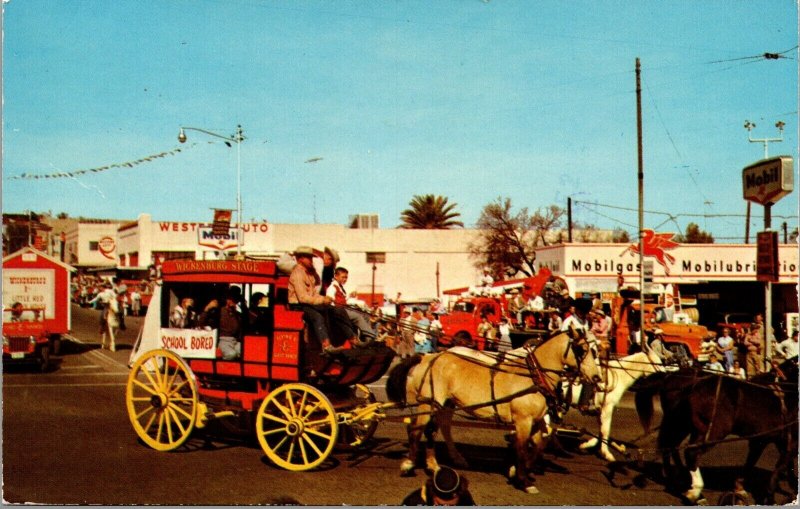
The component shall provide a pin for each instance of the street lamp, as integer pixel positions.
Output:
(237, 138)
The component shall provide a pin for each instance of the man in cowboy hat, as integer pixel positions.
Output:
(445, 487)
(329, 260)
(303, 295)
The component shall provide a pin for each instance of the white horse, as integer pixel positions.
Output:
(620, 375)
(111, 324)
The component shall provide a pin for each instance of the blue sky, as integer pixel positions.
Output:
(469, 99)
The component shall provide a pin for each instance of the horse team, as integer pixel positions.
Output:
(525, 388)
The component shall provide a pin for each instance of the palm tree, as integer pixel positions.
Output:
(429, 212)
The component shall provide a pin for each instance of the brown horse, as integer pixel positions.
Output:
(707, 407)
(513, 391)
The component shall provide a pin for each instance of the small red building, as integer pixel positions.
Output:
(39, 286)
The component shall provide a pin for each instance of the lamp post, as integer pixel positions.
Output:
(237, 138)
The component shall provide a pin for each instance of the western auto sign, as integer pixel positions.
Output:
(769, 180)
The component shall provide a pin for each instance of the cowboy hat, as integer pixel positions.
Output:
(304, 251)
(333, 254)
(446, 482)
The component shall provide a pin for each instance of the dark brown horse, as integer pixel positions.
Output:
(708, 407)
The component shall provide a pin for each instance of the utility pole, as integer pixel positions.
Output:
(569, 219)
(640, 178)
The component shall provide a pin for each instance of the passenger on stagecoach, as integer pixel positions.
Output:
(183, 315)
(230, 327)
(359, 319)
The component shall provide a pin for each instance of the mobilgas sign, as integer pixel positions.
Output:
(207, 237)
(769, 180)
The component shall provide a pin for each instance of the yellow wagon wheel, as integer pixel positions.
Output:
(296, 427)
(162, 399)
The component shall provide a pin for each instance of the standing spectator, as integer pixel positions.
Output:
(601, 328)
(405, 345)
(515, 306)
(121, 289)
(485, 329)
(707, 347)
(555, 322)
(111, 313)
(436, 328)
(101, 301)
(422, 339)
(726, 348)
(578, 321)
(755, 345)
(486, 280)
(504, 329)
(741, 344)
(136, 302)
(788, 348)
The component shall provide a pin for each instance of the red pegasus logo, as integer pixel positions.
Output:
(655, 245)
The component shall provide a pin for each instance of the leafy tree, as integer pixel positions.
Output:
(620, 236)
(694, 235)
(793, 235)
(429, 212)
(62, 215)
(507, 240)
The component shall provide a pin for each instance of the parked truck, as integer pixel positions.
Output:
(680, 335)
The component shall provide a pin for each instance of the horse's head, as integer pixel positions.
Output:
(579, 354)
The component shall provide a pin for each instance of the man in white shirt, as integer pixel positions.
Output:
(337, 292)
(579, 323)
(788, 348)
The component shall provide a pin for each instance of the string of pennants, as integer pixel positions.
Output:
(127, 164)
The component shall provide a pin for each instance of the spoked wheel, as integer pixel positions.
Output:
(162, 400)
(296, 427)
(357, 433)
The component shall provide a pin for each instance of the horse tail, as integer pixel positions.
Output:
(645, 389)
(396, 384)
(644, 407)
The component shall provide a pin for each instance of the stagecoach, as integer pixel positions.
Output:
(178, 381)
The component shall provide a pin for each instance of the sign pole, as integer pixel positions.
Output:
(767, 293)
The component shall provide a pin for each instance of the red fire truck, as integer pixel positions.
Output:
(461, 322)
(36, 306)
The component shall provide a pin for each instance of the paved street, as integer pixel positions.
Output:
(67, 439)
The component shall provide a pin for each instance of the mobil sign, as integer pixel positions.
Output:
(768, 180)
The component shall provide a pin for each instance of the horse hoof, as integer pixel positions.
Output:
(512, 471)
(588, 444)
(609, 458)
(533, 490)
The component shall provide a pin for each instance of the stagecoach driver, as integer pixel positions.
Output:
(304, 295)
(579, 322)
